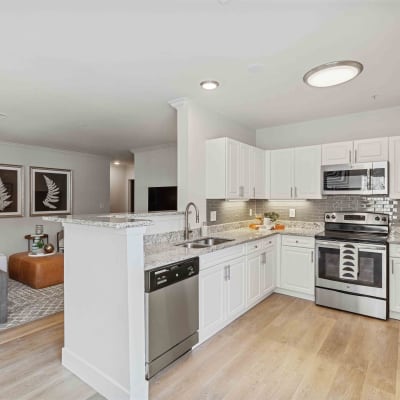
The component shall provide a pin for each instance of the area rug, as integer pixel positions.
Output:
(26, 304)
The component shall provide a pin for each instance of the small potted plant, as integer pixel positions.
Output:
(270, 218)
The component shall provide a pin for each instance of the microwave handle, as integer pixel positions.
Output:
(369, 178)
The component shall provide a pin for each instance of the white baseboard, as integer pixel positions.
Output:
(295, 294)
(95, 378)
(394, 315)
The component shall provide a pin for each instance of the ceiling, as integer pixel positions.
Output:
(96, 76)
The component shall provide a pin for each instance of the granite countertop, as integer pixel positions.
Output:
(105, 221)
(157, 255)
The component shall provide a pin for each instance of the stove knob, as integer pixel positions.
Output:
(328, 216)
(333, 216)
(384, 219)
(377, 219)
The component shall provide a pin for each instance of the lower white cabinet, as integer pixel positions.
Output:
(222, 295)
(261, 266)
(394, 281)
(297, 269)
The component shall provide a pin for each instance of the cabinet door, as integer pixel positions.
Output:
(281, 174)
(297, 269)
(268, 268)
(394, 167)
(253, 278)
(307, 172)
(337, 153)
(257, 173)
(394, 282)
(232, 169)
(371, 150)
(244, 171)
(235, 288)
(211, 301)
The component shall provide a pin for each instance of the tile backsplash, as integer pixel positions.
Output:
(306, 210)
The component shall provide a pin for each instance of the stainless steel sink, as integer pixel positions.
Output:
(204, 242)
(192, 245)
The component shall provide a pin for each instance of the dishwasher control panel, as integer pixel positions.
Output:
(169, 274)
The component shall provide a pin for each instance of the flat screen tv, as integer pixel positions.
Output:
(163, 198)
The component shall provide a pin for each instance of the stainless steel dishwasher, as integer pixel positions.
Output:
(172, 313)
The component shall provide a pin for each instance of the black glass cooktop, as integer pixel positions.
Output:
(353, 237)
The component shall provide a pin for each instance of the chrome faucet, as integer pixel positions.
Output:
(186, 234)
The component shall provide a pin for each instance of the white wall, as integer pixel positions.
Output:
(119, 186)
(196, 124)
(153, 167)
(90, 189)
(370, 124)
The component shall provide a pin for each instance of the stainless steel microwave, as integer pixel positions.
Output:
(366, 178)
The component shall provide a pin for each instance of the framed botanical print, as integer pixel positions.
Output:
(11, 190)
(51, 191)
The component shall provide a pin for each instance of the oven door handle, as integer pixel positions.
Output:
(330, 245)
(373, 248)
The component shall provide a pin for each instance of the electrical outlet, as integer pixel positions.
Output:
(213, 216)
(292, 212)
(251, 212)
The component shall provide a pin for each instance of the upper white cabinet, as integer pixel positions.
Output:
(258, 172)
(369, 150)
(359, 151)
(337, 153)
(394, 167)
(281, 174)
(307, 172)
(296, 173)
(234, 170)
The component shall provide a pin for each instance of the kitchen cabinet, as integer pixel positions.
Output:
(268, 268)
(261, 265)
(394, 281)
(394, 167)
(296, 173)
(358, 151)
(258, 180)
(221, 295)
(297, 267)
(230, 170)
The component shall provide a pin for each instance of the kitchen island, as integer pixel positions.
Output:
(104, 341)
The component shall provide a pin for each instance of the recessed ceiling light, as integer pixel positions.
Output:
(333, 73)
(116, 163)
(209, 85)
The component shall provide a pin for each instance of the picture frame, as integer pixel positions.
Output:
(51, 191)
(11, 191)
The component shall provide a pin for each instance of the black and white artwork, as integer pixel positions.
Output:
(11, 190)
(50, 191)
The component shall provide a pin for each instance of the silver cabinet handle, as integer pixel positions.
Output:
(295, 191)
(226, 272)
(312, 256)
(241, 191)
(264, 258)
(254, 192)
(229, 272)
(355, 156)
(291, 192)
(392, 267)
(349, 156)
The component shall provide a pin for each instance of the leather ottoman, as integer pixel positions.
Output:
(36, 272)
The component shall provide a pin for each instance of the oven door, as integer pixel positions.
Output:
(346, 179)
(370, 279)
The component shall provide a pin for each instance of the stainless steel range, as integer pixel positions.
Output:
(351, 266)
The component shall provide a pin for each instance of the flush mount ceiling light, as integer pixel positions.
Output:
(209, 85)
(333, 73)
(116, 163)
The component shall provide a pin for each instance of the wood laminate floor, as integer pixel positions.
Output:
(284, 348)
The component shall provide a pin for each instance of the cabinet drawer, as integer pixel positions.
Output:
(219, 256)
(270, 241)
(254, 246)
(298, 241)
(394, 250)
